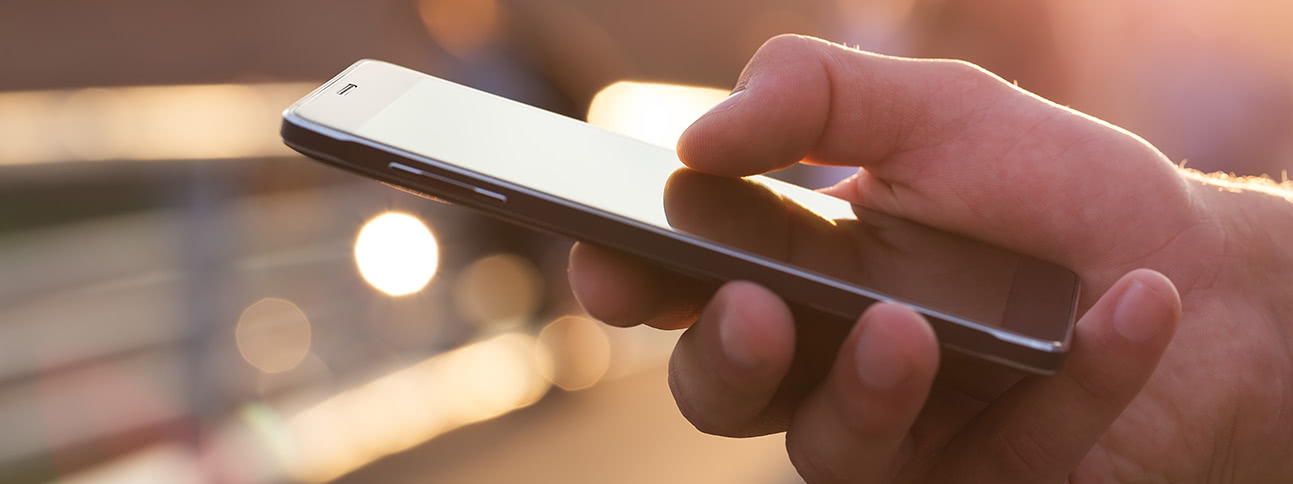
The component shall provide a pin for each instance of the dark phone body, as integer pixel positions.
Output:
(1033, 301)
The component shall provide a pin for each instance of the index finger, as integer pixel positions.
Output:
(947, 144)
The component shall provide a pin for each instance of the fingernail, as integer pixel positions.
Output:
(1129, 317)
(735, 343)
(727, 103)
(881, 365)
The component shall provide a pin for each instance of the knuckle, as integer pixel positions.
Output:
(789, 42)
(966, 77)
(961, 69)
(790, 47)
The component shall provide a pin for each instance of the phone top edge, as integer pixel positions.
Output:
(290, 110)
(1001, 334)
(376, 84)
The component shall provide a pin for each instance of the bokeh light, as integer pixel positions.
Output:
(178, 122)
(95, 123)
(411, 405)
(396, 253)
(273, 335)
(580, 351)
(499, 291)
(461, 27)
(653, 112)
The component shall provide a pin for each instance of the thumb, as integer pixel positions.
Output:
(944, 143)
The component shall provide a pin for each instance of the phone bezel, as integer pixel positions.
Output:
(688, 254)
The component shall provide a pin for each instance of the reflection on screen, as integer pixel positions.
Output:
(532, 148)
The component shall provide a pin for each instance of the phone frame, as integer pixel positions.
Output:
(681, 252)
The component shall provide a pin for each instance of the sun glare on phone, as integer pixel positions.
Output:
(396, 253)
(653, 112)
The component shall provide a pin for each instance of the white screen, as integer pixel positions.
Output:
(527, 146)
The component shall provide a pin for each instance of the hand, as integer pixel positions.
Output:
(1181, 368)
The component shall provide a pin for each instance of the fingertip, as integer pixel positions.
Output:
(1147, 310)
(693, 138)
(896, 348)
(717, 143)
(905, 322)
(773, 118)
(1162, 288)
(756, 329)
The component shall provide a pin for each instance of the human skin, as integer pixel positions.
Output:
(1181, 368)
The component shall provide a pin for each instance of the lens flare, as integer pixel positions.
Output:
(462, 27)
(273, 335)
(396, 253)
(581, 352)
(499, 292)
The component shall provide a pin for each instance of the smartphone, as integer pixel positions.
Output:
(547, 171)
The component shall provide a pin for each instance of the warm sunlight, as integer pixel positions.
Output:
(653, 112)
(175, 122)
(396, 253)
(411, 405)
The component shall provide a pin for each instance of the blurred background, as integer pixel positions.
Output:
(184, 300)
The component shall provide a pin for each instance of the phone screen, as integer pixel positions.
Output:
(571, 160)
